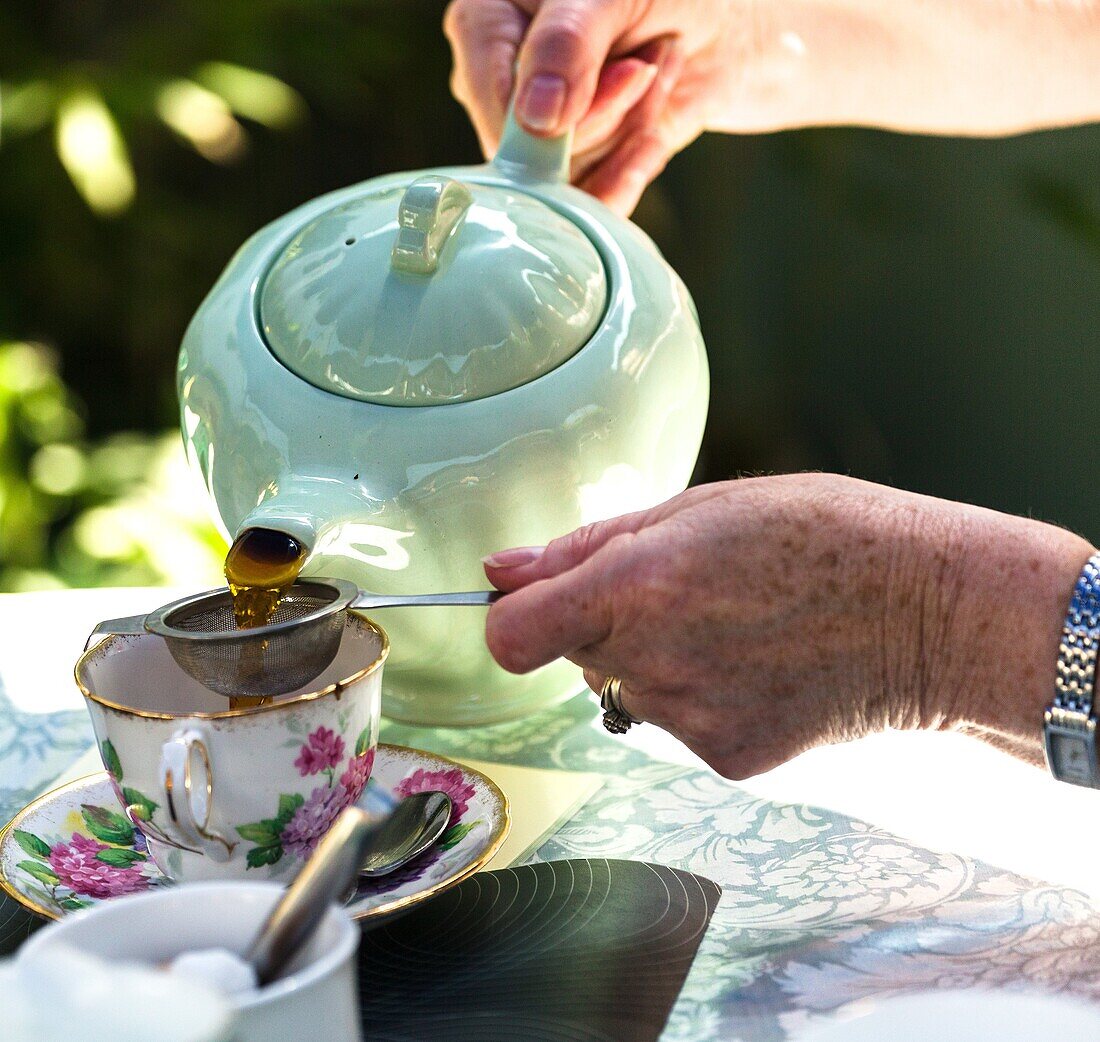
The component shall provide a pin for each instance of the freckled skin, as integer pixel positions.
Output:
(758, 618)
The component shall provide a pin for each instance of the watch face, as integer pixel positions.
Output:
(1069, 757)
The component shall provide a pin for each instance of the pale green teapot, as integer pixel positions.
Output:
(413, 372)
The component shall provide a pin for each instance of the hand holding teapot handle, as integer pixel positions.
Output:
(638, 82)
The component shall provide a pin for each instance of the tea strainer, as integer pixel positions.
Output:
(294, 648)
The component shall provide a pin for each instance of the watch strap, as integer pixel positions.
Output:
(1070, 723)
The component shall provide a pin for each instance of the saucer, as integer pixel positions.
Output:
(73, 848)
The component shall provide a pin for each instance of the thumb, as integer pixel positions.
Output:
(548, 620)
(560, 59)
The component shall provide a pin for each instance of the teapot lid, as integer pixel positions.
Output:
(433, 293)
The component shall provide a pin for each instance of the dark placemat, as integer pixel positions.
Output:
(16, 924)
(564, 951)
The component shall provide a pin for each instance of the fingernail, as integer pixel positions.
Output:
(515, 557)
(541, 102)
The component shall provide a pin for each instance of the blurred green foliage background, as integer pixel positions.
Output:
(918, 311)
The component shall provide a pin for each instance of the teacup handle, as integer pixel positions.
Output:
(187, 780)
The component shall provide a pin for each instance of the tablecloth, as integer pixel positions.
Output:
(820, 910)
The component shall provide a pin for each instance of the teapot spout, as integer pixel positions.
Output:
(303, 530)
(307, 512)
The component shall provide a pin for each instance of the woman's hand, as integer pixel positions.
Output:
(639, 80)
(757, 618)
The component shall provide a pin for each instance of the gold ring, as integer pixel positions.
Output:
(615, 718)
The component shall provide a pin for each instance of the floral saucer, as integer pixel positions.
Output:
(74, 848)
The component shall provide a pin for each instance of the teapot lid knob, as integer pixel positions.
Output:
(429, 290)
(428, 213)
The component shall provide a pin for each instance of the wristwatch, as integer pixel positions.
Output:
(1069, 731)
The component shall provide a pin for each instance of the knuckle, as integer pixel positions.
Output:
(584, 540)
(731, 770)
(651, 152)
(637, 576)
(739, 764)
(458, 86)
(619, 550)
(651, 139)
(573, 547)
(561, 43)
(695, 727)
(456, 19)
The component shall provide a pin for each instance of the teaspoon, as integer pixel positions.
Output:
(333, 868)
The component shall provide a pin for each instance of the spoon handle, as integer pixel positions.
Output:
(411, 600)
(331, 870)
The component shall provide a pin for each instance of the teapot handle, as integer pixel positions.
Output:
(524, 157)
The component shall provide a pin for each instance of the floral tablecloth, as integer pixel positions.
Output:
(819, 910)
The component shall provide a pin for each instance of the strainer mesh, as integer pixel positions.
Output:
(250, 664)
(216, 615)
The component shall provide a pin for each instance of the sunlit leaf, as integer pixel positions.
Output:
(202, 119)
(58, 469)
(25, 107)
(93, 152)
(255, 95)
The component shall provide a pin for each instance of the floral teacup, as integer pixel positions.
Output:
(221, 792)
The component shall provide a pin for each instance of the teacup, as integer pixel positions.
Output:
(316, 998)
(232, 793)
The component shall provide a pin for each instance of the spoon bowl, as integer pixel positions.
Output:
(415, 825)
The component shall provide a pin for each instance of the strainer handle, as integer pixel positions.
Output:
(434, 600)
(130, 626)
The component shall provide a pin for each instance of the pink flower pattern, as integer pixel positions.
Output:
(450, 781)
(322, 751)
(297, 830)
(354, 779)
(76, 865)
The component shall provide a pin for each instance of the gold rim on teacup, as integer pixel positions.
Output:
(281, 703)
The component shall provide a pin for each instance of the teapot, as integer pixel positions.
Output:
(413, 372)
